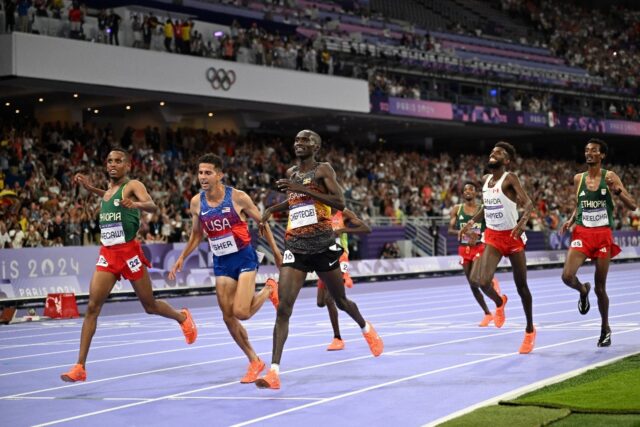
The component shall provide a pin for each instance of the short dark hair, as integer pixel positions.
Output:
(471, 183)
(121, 150)
(604, 148)
(211, 159)
(510, 149)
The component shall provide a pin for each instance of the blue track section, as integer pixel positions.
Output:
(437, 361)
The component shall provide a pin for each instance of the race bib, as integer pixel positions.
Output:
(223, 245)
(288, 258)
(134, 264)
(494, 216)
(102, 262)
(595, 217)
(303, 215)
(112, 234)
(465, 238)
(523, 237)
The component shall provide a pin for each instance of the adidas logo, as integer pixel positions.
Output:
(461, 217)
(582, 193)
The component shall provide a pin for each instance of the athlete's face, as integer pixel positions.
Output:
(592, 154)
(118, 164)
(498, 157)
(304, 144)
(469, 192)
(208, 176)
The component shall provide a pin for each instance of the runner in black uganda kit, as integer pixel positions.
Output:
(312, 190)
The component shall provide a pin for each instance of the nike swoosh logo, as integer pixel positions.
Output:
(331, 263)
(206, 212)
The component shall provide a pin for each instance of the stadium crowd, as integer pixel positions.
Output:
(41, 206)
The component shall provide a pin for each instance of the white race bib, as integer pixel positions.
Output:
(223, 245)
(595, 217)
(303, 215)
(494, 216)
(112, 234)
(288, 258)
(134, 264)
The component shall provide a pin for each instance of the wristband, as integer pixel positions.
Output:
(619, 192)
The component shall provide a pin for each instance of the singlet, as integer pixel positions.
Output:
(226, 231)
(117, 223)
(595, 208)
(500, 212)
(337, 222)
(462, 219)
(309, 227)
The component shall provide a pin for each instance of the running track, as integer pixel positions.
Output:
(437, 362)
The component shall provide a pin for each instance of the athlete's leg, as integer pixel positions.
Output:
(477, 294)
(602, 269)
(101, 284)
(247, 302)
(291, 281)
(334, 283)
(519, 265)
(226, 290)
(574, 261)
(483, 270)
(144, 291)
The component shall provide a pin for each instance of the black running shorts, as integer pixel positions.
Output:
(320, 262)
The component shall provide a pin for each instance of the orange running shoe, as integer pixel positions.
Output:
(273, 295)
(254, 369)
(188, 326)
(486, 320)
(496, 285)
(528, 342)
(348, 281)
(499, 317)
(373, 339)
(271, 380)
(336, 344)
(77, 373)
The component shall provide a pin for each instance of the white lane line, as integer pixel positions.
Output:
(400, 380)
(243, 398)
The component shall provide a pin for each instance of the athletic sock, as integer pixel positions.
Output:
(366, 328)
(275, 367)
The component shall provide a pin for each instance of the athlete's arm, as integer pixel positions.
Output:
(616, 187)
(572, 218)
(333, 198)
(139, 191)
(355, 224)
(279, 207)
(84, 181)
(452, 221)
(194, 238)
(523, 198)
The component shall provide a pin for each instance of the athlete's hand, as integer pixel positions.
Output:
(612, 184)
(565, 227)
(517, 231)
(473, 238)
(464, 231)
(288, 185)
(82, 180)
(177, 267)
(128, 203)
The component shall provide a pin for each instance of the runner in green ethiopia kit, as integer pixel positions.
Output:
(121, 255)
(592, 236)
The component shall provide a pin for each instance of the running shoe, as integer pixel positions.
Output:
(496, 286)
(273, 295)
(373, 339)
(271, 380)
(77, 373)
(528, 342)
(188, 326)
(605, 338)
(499, 316)
(583, 301)
(253, 371)
(348, 281)
(488, 318)
(336, 344)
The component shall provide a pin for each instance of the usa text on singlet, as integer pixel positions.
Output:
(117, 223)
(226, 231)
(309, 227)
(500, 212)
(595, 208)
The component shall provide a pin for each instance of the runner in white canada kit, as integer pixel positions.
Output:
(219, 212)
(592, 236)
(503, 236)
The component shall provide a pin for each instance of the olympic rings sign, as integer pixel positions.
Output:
(221, 78)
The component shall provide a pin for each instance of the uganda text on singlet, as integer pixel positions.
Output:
(117, 224)
(595, 208)
(226, 231)
(309, 227)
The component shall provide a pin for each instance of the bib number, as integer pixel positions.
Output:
(112, 234)
(303, 215)
(134, 264)
(595, 217)
(288, 258)
(223, 245)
